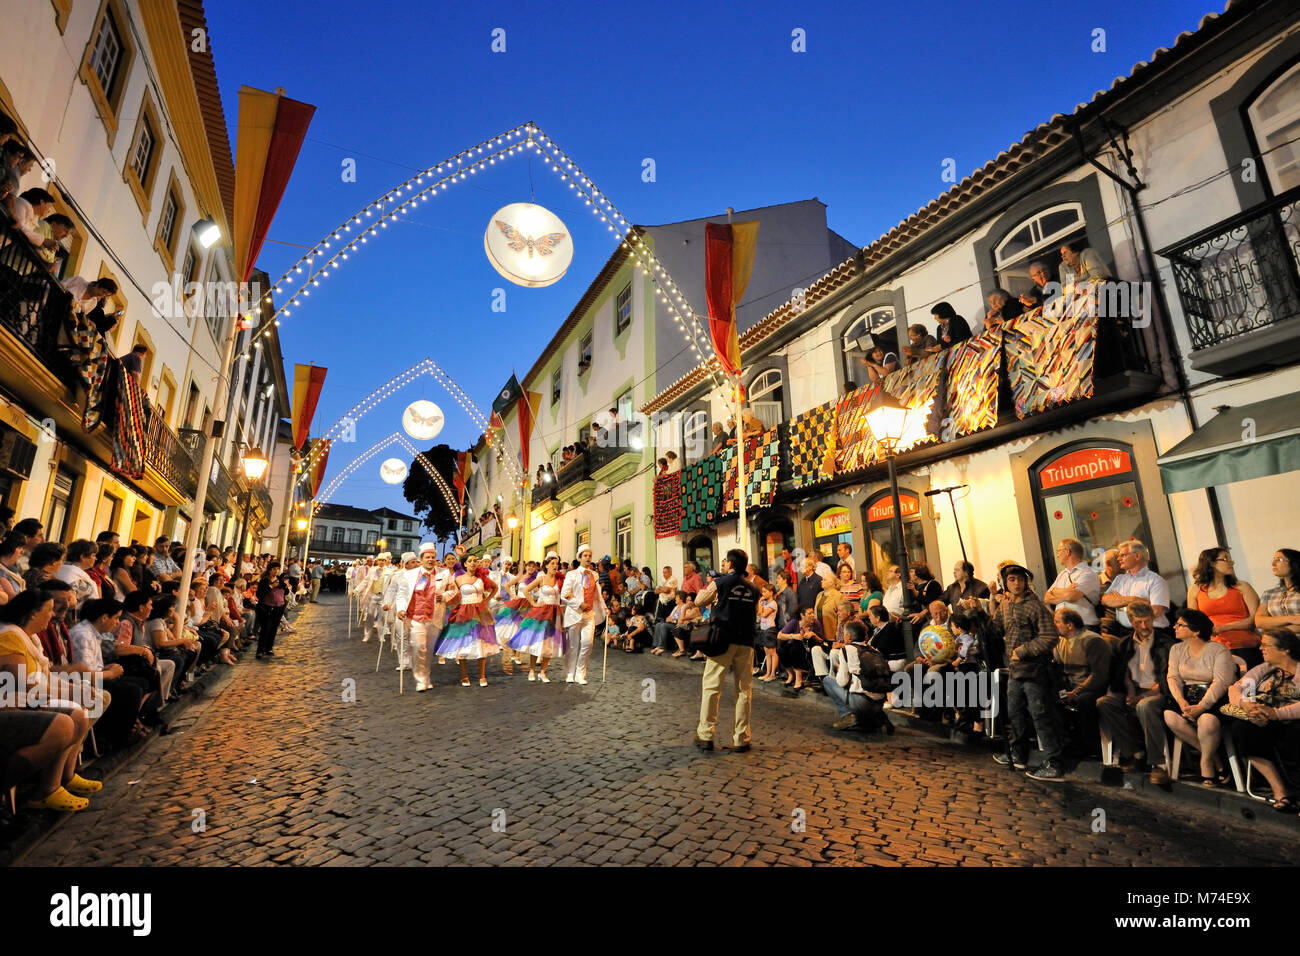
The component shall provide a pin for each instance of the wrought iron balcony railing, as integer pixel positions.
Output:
(1240, 275)
(169, 456)
(219, 481)
(573, 471)
(33, 305)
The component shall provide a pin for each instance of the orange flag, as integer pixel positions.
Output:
(728, 262)
(318, 467)
(528, 405)
(307, 383)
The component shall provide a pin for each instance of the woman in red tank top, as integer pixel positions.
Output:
(1230, 604)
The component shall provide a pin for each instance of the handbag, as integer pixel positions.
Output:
(708, 638)
(1195, 693)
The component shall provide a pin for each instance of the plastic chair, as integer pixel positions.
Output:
(1175, 760)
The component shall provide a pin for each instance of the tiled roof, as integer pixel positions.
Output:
(1035, 144)
(346, 513)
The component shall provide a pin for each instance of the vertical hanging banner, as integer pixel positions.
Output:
(269, 135)
(307, 383)
(728, 262)
(318, 467)
(528, 405)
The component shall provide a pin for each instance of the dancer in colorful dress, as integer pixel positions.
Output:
(470, 634)
(539, 634)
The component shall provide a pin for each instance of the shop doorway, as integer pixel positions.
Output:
(1088, 491)
(775, 534)
(882, 542)
(700, 551)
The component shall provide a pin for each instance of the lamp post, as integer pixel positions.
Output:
(512, 522)
(889, 422)
(302, 522)
(254, 464)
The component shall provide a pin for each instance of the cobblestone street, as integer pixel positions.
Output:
(280, 770)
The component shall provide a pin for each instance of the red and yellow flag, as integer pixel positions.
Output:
(307, 383)
(462, 473)
(318, 466)
(527, 406)
(728, 262)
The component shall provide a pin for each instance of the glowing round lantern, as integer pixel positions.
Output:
(528, 244)
(422, 420)
(393, 471)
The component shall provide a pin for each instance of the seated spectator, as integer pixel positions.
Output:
(12, 547)
(636, 633)
(46, 558)
(663, 632)
(45, 744)
(849, 585)
(1263, 712)
(1200, 672)
(966, 589)
(873, 592)
(1230, 604)
(1134, 717)
(686, 619)
(1083, 662)
(99, 571)
(1279, 606)
(795, 643)
(165, 567)
(951, 329)
(147, 623)
(75, 570)
(919, 342)
(1138, 583)
(859, 684)
(820, 655)
(886, 637)
(123, 720)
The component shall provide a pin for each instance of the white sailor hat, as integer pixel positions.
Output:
(551, 554)
(384, 556)
(428, 546)
(408, 556)
(586, 548)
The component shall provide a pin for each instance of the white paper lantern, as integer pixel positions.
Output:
(422, 420)
(528, 244)
(393, 471)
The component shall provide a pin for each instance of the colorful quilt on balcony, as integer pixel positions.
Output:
(1050, 360)
(125, 418)
(973, 385)
(701, 497)
(917, 386)
(855, 446)
(762, 461)
(810, 435)
(668, 504)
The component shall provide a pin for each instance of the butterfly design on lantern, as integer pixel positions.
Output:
(543, 245)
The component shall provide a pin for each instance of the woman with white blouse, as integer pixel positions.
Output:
(1200, 672)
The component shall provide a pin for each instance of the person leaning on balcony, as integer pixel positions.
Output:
(673, 463)
(30, 208)
(1086, 265)
(719, 437)
(18, 162)
(57, 227)
(1040, 274)
(874, 362)
(920, 342)
(1031, 300)
(951, 328)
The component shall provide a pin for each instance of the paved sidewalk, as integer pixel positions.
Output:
(275, 767)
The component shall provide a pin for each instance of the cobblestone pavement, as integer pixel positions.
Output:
(279, 769)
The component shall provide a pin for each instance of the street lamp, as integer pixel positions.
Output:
(254, 464)
(512, 521)
(302, 524)
(889, 421)
(380, 545)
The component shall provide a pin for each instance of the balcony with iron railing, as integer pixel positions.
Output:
(616, 456)
(573, 481)
(167, 455)
(1239, 285)
(219, 480)
(33, 306)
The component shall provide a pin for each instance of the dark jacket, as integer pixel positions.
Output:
(888, 642)
(1027, 624)
(736, 608)
(787, 607)
(1124, 652)
(808, 589)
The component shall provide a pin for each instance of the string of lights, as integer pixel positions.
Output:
(371, 452)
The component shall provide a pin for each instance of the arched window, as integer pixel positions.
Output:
(1039, 237)
(861, 336)
(765, 397)
(695, 435)
(1275, 120)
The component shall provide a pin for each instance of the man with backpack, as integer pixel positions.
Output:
(732, 628)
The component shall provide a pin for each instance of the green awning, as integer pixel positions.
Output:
(1238, 444)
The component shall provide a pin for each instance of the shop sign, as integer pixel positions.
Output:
(832, 521)
(883, 510)
(1086, 464)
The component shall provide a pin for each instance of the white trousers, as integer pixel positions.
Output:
(166, 673)
(374, 616)
(422, 635)
(578, 640)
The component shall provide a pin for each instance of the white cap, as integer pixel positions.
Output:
(428, 546)
(384, 556)
(585, 548)
(408, 556)
(549, 555)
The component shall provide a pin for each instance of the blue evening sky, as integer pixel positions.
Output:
(713, 93)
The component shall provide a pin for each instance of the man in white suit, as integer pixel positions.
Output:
(420, 608)
(390, 607)
(584, 609)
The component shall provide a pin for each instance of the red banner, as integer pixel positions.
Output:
(883, 510)
(308, 380)
(318, 467)
(728, 261)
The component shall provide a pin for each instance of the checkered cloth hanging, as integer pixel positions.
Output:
(762, 461)
(917, 386)
(973, 384)
(808, 440)
(668, 504)
(856, 447)
(702, 486)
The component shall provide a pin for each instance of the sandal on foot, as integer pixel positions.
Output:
(60, 799)
(465, 682)
(82, 787)
(1286, 805)
(482, 682)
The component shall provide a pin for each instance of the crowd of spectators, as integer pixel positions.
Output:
(92, 651)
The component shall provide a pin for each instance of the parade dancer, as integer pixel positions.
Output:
(509, 614)
(469, 634)
(392, 605)
(539, 634)
(372, 597)
(420, 607)
(584, 609)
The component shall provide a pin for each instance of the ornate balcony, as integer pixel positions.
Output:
(619, 457)
(1240, 288)
(32, 303)
(574, 483)
(219, 481)
(168, 457)
(545, 502)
